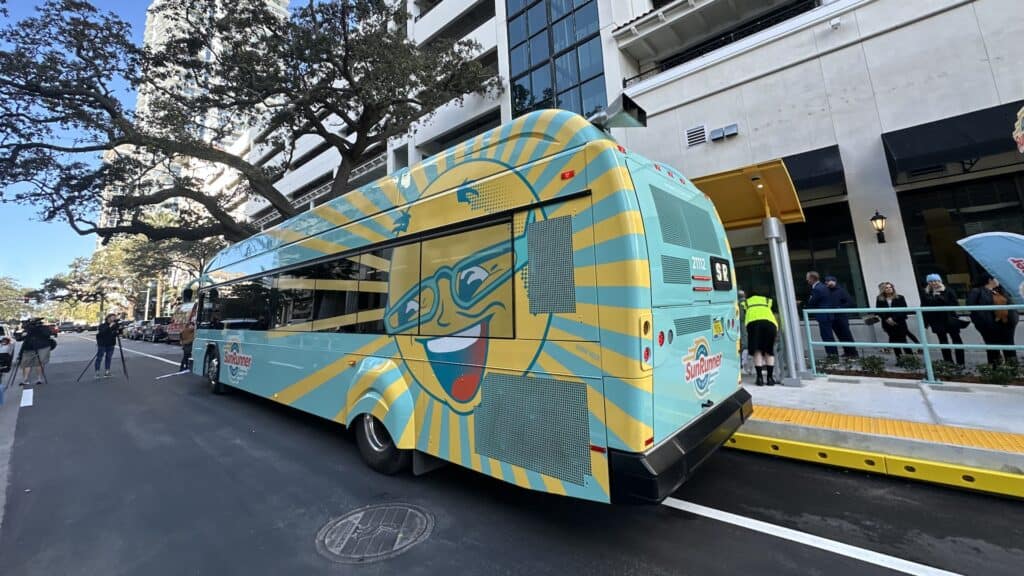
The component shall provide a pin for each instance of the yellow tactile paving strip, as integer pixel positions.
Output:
(1001, 441)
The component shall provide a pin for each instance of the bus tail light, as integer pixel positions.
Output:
(568, 174)
(647, 354)
(661, 339)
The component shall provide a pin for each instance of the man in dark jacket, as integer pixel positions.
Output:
(996, 326)
(840, 298)
(35, 350)
(821, 298)
(106, 339)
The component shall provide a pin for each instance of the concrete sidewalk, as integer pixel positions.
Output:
(962, 425)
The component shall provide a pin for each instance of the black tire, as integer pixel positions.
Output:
(378, 449)
(211, 370)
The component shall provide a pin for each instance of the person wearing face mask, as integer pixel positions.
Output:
(945, 325)
(894, 323)
(996, 326)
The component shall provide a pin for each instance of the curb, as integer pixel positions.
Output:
(945, 473)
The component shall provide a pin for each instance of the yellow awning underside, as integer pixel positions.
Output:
(746, 196)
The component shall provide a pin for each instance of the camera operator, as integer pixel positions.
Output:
(106, 339)
(35, 350)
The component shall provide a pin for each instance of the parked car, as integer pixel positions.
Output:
(134, 332)
(68, 327)
(156, 331)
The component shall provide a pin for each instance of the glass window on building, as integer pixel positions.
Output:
(560, 37)
(936, 218)
(824, 243)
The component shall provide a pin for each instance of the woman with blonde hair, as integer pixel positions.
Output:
(894, 323)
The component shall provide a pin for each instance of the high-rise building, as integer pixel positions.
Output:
(904, 109)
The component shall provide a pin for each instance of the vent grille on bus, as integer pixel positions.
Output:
(696, 135)
(675, 270)
(702, 231)
(539, 424)
(692, 325)
(551, 285)
(671, 218)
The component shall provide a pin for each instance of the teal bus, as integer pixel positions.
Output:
(538, 304)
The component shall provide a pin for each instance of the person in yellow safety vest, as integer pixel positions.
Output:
(762, 328)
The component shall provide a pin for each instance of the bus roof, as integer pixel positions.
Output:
(528, 138)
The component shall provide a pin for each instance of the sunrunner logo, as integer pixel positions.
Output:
(701, 366)
(238, 363)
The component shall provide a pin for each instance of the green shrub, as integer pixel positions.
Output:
(998, 374)
(910, 362)
(830, 363)
(948, 370)
(873, 365)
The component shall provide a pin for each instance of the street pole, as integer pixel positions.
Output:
(785, 295)
(145, 313)
(159, 295)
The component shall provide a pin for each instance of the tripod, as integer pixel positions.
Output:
(14, 373)
(95, 358)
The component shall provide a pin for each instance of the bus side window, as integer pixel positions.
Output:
(466, 284)
(293, 299)
(336, 292)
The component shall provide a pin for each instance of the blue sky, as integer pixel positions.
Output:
(32, 250)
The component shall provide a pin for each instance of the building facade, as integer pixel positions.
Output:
(903, 108)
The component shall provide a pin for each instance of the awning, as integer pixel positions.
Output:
(815, 169)
(964, 137)
(746, 196)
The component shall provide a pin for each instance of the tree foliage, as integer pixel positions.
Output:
(342, 70)
(12, 296)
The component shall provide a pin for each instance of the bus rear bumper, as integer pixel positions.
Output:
(648, 478)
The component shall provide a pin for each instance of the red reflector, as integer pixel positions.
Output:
(647, 354)
(568, 174)
(649, 441)
(598, 449)
(702, 288)
(704, 278)
(621, 148)
(661, 338)
(657, 167)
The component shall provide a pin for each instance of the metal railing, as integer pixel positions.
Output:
(925, 346)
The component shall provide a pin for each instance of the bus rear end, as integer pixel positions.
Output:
(697, 399)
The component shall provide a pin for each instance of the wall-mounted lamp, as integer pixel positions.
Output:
(878, 223)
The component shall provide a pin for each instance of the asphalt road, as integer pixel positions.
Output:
(160, 477)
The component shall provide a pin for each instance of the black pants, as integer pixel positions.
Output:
(945, 338)
(999, 335)
(898, 334)
(839, 325)
(186, 355)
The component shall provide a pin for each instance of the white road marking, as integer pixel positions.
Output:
(26, 397)
(172, 374)
(164, 360)
(862, 554)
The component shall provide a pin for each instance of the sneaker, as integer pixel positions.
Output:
(38, 383)
(106, 374)
(97, 374)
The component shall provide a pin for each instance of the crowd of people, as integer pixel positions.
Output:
(996, 327)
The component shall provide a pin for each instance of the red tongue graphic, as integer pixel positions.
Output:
(464, 387)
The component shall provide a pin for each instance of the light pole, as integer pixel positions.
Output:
(145, 313)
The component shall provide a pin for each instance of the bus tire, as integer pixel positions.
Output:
(211, 371)
(378, 449)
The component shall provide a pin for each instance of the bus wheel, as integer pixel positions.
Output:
(211, 368)
(378, 449)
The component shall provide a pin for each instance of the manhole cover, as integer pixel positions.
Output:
(374, 533)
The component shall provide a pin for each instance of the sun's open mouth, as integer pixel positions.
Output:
(458, 360)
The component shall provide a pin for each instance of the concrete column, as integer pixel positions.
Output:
(869, 187)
